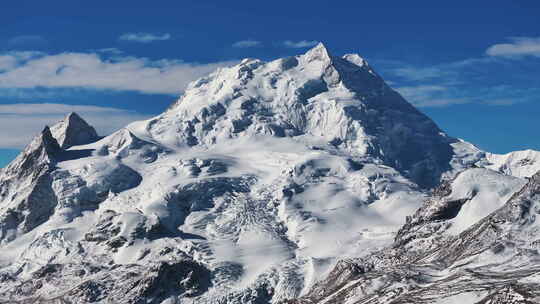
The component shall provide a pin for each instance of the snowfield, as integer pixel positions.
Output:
(265, 182)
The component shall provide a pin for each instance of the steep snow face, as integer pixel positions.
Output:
(457, 205)
(316, 99)
(73, 131)
(483, 191)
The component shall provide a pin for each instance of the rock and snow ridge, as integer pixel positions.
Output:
(250, 189)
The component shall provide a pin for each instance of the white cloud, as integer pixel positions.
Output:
(53, 109)
(300, 44)
(429, 96)
(26, 120)
(246, 43)
(447, 72)
(7, 62)
(416, 73)
(10, 60)
(439, 102)
(144, 37)
(94, 71)
(502, 102)
(112, 51)
(519, 46)
(422, 90)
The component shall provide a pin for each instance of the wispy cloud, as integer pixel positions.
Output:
(96, 71)
(300, 44)
(145, 37)
(518, 47)
(502, 102)
(25, 120)
(420, 73)
(112, 51)
(487, 80)
(27, 42)
(429, 96)
(246, 43)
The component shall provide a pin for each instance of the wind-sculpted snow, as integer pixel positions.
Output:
(518, 163)
(265, 182)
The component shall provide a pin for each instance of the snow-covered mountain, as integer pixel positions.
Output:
(264, 182)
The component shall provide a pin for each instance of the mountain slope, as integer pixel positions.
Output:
(250, 189)
(435, 259)
(315, 98)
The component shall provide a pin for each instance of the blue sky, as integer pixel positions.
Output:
(472, 66)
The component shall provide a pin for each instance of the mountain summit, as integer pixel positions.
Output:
(255, 186)
(315, 98)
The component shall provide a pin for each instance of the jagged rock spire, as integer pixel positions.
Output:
(73, 131)
(44, 142)
(37, 158)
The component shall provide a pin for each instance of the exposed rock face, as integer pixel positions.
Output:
(153, 283)
(26, 187)
(73, 131)
(299, 178)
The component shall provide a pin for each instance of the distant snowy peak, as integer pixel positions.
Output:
(49, 145)
(45, 142)
(43, 149)
(73, 131)
(25, 195)
(518, 163)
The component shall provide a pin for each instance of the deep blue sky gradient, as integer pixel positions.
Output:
(7, 155)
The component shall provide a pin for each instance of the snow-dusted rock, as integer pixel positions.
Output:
(26, 195)
(73, 131)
